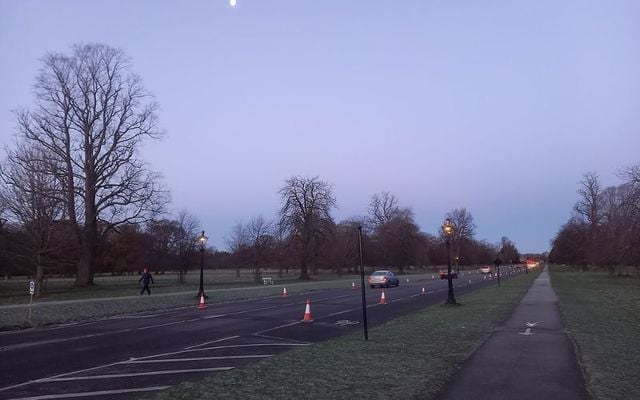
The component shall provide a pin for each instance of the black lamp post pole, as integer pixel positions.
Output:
(201, 290)
(450, 297)
(364, 299)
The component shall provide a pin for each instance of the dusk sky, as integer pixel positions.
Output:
(496, 106)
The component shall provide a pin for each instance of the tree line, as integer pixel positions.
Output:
(77, 199)
(603, 230)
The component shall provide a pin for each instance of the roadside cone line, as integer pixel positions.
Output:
(353, 286)
(469, 281)
(284, 292)
(202, 305)
(307, 313)
(424, 291)
(383, 299)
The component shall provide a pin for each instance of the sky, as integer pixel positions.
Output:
(496, 106)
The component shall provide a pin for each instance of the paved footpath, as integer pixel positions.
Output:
(530, 357)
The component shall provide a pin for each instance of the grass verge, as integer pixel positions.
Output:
(410, 357)
(601, 313)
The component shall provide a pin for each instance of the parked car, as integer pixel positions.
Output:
(444, 275)
(485, 269)
(383, 279)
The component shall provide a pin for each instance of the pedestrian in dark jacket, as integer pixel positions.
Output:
(145, 279)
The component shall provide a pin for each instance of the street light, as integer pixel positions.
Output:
(364, 299)
(447, 228)
(202, 241)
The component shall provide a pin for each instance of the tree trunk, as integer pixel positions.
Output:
(87, 253)
(304, 273)
(39, 276)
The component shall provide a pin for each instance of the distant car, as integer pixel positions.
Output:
(383, 279)
(485, 269)
(444, 275)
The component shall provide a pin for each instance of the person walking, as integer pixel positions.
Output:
(146, 279)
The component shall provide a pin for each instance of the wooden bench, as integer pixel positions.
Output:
(267, 280)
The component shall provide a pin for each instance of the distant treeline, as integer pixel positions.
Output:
(604, 228)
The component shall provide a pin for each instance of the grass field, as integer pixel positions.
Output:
(410, 357)
(120, 295)
(602, 314)
(14, 291)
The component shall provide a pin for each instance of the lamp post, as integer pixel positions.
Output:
(447, 228)
(364, 299)
(202, 241)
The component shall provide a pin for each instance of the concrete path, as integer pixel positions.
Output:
(530, 357)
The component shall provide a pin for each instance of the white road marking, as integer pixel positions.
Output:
(212, 348)
(134, 316)
(57, 376)
(160, 325)
(111, 376)
(277, 327)
(197, 359)
(91, 394)
(244, 312)
(289, 340)
(526, 332)
(211, 342)
(251, 345)
(67, 339)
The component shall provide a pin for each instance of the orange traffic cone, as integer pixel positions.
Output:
(383, 300)
(284, 292)
(424, 291)
(201, 305)
(353, 286)
(307, 313)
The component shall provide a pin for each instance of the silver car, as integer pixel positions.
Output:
(383, 279)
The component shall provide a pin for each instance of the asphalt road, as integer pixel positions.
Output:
(126, 356)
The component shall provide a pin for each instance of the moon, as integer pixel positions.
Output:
(232, 3)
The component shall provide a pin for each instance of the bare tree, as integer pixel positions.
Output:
(464, 231)
(305, 215)
(28, 192)
(91, 117)
(259, 234)
(383, 208)
(238, 242)
(508, 251)
(188, 227)
(589, 207)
